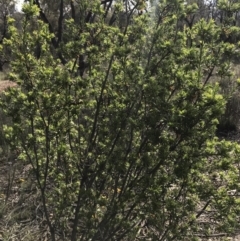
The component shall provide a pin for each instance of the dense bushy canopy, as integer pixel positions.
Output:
(116, 109)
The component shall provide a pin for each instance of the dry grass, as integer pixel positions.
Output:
(20, 210)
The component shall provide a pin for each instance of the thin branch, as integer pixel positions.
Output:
(203, 209)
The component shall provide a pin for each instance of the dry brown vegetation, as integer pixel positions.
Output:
(4, 84)
(21, 217)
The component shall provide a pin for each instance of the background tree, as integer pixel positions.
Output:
(124, 148)
(226, 15)
(7, 8)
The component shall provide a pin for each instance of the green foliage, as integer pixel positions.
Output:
(129, 143)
